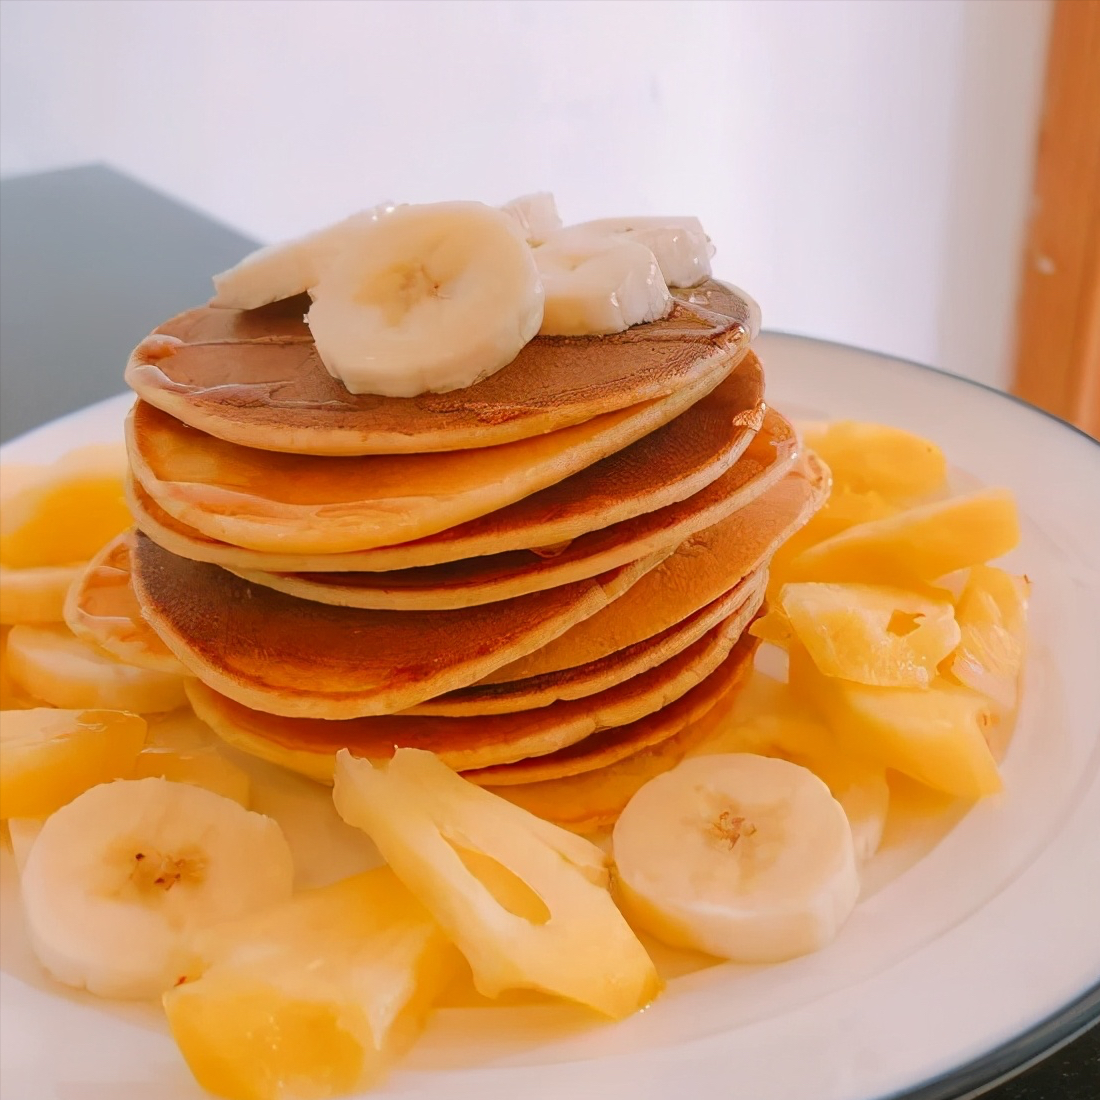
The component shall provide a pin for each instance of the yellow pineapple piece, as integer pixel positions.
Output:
(876, 458)
(63, 513)
(48, 757)
(51, 664)
(774, 627)
(315, 997)
(992, 615)
(936, 735)
(874, 635)
(525, 901)
(12, 696)
(844, 508)
(35, 594)
(201, 767)
(917, 545)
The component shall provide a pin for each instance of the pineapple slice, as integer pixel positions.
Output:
(201, 767)
(936, 735)
(878, 459)
(886, 637)
(48, 757)
(52, 665)
(63, 513)
(526, 902)
(917, 545)
(769, 720)
(844, 508)
(992, 615)
(36, 594)
(315, 997)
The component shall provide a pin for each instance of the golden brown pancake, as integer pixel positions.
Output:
(504, 576)
(303, 504)
(296, 657)
(254, 378)
(310, 745)
(102, 609)
(698, 572)
(741, 602)
(667, 465)
(592, 800)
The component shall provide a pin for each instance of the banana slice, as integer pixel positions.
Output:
(431, 298)
(36, 594)
(283, 270)
(537, 215)
(682, 248)
(596, 285)
(52, 665)
(740, 856)
(120, 880)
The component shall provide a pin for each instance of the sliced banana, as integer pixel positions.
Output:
(596, 285)
(682, 248)
(36, 594)
(283, 270)
(536, 214)
(431, 298)
(741, 856)
(120, 880)
(50, 664)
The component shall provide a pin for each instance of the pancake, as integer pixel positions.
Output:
(307, 505)
(101, 608)
(296, 657)
(592, 800)
(310, 745)
(667, 465)
(742, 601)
(254, 378)
(700, 571)
(518, 572)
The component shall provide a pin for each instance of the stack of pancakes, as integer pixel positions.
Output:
(546, 578)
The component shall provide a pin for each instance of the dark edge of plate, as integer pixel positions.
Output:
(1027, 1049)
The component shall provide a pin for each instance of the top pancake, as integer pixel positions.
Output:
(253, 377)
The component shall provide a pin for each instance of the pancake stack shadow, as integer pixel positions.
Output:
(546, 578)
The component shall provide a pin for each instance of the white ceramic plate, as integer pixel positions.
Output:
(951, 972)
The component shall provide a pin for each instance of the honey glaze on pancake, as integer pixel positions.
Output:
(668, 465)
(503, 576)
(303, 504)
(254, 378)
(592, 800)
(741, 602)
(700, 570)
(464, 743)
(296, 657)
(102, 609)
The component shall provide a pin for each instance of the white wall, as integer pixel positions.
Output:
(863, 165)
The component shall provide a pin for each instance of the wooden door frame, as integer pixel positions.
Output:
(1058, 319)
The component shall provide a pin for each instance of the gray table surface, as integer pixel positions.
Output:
(90, 261)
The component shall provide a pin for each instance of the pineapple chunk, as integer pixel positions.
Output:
(992, 615)
(64, 513)
(878, 459)
(774, 627)
(917, 545)
(36, 594)
(315, 997)
(874, 635)
(201, 767)
(52, 665)
(48, 757)
(769, 720)
(12, 696)
(526, 902)
(936, 735)
(844, 508)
